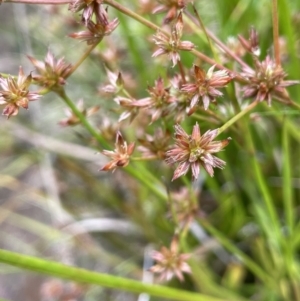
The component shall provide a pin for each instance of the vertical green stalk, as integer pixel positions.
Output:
(288, 201)
(287, 180)
(102, 142)
(261, 183)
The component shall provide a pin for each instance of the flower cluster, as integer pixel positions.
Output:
(193, 151)
(158, 101)
(173, 44)
(120, 156)
(170, 262)
(206, 86)
(95, 30)
(266, 81)
(171, 7)
(51, 72)
(15, 93)
(156, 145)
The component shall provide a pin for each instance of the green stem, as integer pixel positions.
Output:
(61, 92)
(148, 180)
(143, 176)
(261, 183)
(134, 15)
(85, 276)
(83, 57)
(287, 180)
(153, 26)
(294, 104)
(144, 158)
(237, 117)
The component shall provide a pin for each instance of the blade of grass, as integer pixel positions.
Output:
(286, 27)
(287, 179)
(255, 269)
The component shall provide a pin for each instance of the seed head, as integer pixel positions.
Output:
(171, 7)
(170, 262)
(96, 31)
(184, 206)
(193, 151)
(51, 72)
(158, 101)
(172, 45)
(206, 86)
(266, 81)
(155, 145)
(15, 93)
(120, 156)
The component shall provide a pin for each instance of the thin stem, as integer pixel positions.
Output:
(144, 177)
(153, 26)
(207, 59)
(294, 104)
(237, 117)
(133, 15)
(181, 72)
(85, 276)
(144, 158)
(287, 179)
(261, 183)
(276, 32)
(82, 118)
(192, 23)
(205, 32)
(83, 57)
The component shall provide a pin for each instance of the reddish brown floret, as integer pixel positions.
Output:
(171, 7)
(206, 86)
(267, 81)
(193, 151)
(96, 31)
(120, 156)
(15, 93)
(173, 44)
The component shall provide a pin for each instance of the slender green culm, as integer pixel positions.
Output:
(59, 270)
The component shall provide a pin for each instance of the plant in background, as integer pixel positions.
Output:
(150, 92)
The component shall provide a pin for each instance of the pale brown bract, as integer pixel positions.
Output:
(121, 154)
(194, 151)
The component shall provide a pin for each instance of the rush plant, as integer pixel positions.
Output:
(194, 113)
